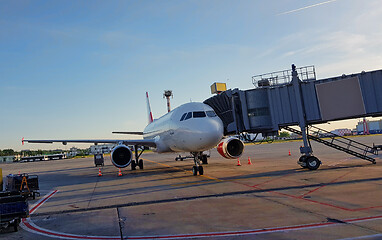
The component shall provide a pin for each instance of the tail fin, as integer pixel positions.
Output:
(150, 114)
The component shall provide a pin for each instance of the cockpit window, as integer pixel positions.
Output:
(211, 113)
(182, 118)
(189, 115)
(199, 114)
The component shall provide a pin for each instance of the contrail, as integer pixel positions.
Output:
(299, 9)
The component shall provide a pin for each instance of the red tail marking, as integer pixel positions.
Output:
(151, 119)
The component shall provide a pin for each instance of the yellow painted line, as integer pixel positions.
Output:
(165, 165)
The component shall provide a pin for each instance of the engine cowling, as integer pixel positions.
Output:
(121, 156)
(231, 148)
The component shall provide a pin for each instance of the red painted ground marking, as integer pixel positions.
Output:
(310, 200)
(28, 223)
(46, 232)
(49, 233)
(213, 234)
(313, 201)
(367, 208)
(42, 201)
(271, 180)
(333, 181)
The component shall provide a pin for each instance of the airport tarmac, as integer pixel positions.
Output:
(273, 198)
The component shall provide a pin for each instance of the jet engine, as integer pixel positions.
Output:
(231, 148)
(121, 156)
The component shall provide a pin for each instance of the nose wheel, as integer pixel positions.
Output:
(197, 167)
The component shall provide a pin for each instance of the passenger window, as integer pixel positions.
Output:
(199, 114)
(182, 118)
(211, 114)
(189, 115)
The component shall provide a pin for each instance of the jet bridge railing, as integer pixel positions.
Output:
(344, 141)
(283, 77)
(350, 147)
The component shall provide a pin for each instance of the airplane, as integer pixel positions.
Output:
(192, 127)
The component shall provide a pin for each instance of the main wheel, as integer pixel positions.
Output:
(133, 165)
(140, 163)
(195, 170)
(204, 159)
(201, 171)
(312, 163)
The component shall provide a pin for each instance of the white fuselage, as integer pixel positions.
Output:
(192, 127)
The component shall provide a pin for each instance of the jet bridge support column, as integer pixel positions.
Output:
(307, 160)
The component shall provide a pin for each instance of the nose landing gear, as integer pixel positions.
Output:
(199, 156)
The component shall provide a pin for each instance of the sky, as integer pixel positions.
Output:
(80, 69)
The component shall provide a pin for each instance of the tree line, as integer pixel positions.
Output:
(11, 152)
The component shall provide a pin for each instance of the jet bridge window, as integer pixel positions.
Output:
(182, 118)
(199, 114)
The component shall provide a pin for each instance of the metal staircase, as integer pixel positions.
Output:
(340, 143)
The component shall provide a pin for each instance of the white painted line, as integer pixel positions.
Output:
(363, 237)
(30, 226)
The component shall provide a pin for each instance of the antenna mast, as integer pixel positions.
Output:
(167, 94)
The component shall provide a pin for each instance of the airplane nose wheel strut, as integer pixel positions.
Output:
(197, 168)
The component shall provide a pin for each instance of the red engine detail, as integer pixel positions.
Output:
(121, 156)
(231, 148)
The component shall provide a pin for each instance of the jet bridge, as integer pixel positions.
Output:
(295, 97)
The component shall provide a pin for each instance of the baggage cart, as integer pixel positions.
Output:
(25, 184)
(13, 207)
(98, 159)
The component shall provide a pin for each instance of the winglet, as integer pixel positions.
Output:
(150, 114)
(22, 141)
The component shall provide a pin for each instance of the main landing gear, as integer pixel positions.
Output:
(137, 162)
(199, 156)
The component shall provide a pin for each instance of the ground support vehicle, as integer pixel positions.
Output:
(13, 207)
(26, 185)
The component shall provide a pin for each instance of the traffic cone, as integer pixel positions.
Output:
(238, 162)
(99, 172)
(289, 153)
(119, 173)
(249, 161)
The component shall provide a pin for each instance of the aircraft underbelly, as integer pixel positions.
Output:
(191, 143)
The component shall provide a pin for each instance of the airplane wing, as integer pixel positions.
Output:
(140, 142)
(133, 133)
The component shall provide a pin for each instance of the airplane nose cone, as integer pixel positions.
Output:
(211, 134)
(217, 131)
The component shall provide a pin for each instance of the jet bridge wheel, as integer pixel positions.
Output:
(302, 161)
(312, 163)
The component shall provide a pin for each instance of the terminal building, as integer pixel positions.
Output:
(8, 159)
(374, 127)
(342, 132)
(104, 148)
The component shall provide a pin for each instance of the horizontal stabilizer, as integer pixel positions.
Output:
(132, 133)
